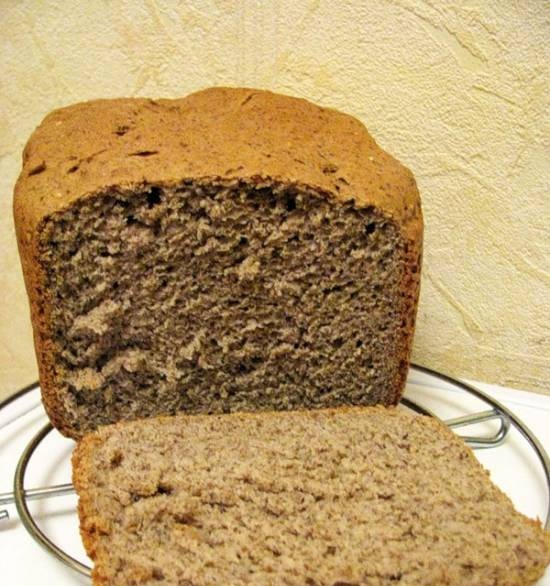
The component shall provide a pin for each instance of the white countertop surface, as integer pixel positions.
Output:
(514, 467)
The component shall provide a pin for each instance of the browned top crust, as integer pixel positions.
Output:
(217, 133)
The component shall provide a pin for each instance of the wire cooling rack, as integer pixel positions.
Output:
(495, 412)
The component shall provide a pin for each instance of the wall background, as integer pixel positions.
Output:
(458, 92)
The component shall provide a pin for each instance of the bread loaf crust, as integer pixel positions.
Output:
(219, 135)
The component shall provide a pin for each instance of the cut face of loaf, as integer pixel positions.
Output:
(163, 285)
(362, 497)
(210, 299)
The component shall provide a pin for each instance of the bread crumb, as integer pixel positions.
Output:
(249, 268)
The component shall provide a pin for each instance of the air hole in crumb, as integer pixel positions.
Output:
(130, 220)
(243, 368)
(370, 228)
(358, 343)
(122, 130)
(79, 397)
(329, 169)
(246, 100)
(290, 203)
(186, 519)
(201, 213)
(143, 154)
(165, 489)
(73, 169)
(243, 240)
(116, 459)
(338, 342)
(158, 574)
(38, 169)
(153, 197)
(102, 360)
(115, 285)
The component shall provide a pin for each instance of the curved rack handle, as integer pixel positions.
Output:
(480, 441)
(529, 436)
(24, 514)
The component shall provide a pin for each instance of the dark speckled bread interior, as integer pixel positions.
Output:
(232, 250)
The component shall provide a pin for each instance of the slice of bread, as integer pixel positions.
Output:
(360, 496)
(232, 250)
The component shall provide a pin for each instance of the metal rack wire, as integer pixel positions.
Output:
(496, 411)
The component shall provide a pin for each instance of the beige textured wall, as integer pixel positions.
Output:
(456, 90)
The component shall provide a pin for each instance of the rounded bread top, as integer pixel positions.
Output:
(220, 134)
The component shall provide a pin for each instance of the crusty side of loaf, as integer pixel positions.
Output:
(86, 156)
(359, 496)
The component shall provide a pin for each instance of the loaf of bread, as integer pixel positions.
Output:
(369, 496)
(232, 250)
